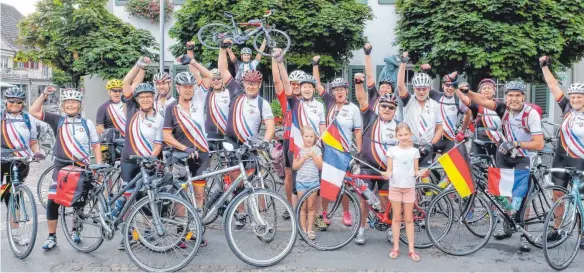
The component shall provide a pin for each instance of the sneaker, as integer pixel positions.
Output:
(239, 220)
(121, 245)
(504, 232)
(319, 223)
(553, 236)
(360, 238)
(286, 215)
(347, 220)
(75, 237)
(20, 240)
(525, 247)
(325, 219)
(50, 243)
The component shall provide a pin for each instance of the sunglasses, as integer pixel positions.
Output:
(448, 84)
(116, 91)
(216, 79)
(387, 106)
(15, 101)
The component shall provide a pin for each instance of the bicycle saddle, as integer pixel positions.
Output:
(180, 156)
(482, 142)
(254, 22)
(228, 14)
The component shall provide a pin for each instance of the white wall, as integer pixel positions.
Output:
(95, 95)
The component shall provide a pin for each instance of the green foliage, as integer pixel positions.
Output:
(276, 108)
(329, 28)
(80, 37)
(487, 38)
(149, 9)
(61, 79)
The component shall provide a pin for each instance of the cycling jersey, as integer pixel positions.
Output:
(111, 115)
(374, 103)
(451, 112)
(513, 128)
(572, 130)
(378, 136)
(16, 135)
(245, 116)
(188, 125)
(216, 114)
(73, 142)
(422, 121)
(241, 67)
(486, 123)
(287, 113)
(142, 131)
(348, 117)
(309, 113)
(161, 107)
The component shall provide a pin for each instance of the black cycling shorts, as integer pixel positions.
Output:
(506, 162)
(288, 157)
(382, 184)
(425, 159)
(444, 145)
(562, 160)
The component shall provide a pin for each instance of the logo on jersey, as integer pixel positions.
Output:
(81, 130)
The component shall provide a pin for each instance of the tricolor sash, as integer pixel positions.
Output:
(192, 130)
(573, 144)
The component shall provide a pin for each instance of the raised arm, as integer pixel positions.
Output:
(360, 92)
(316, 75)
(258, 56)
(480, 99)
(369, 65)
(401, 75)
(551, 81)
(277, 80)
(36, 109)
(128, 81)
(232, 56)
(463, 88)
(222, 61)
(283, 72)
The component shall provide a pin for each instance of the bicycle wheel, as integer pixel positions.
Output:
(533, 217)
(82, 226)
(212, 35)
(448, 228)
(561, 252)
(21, 221)
(266, 179)
(169, 245)
(43, 185)
(337, 234)
(263, 240)
(274, 39)
(425, 193)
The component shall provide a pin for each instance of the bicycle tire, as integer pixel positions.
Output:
(270, 32)
(216, 38)
(402, 236)
(24, 190)
(230, 215)
(138, 210)
(41, 186)
(534, 201)
(313, 243)
(80, 220)
(576, 226)
(445, 198)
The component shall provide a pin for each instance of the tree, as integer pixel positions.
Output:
(329, 28)
(485, 38)
(80, 37)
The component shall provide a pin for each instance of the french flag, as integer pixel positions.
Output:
(295, 135)
(508, 182)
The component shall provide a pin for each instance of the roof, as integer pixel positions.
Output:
(9, 19)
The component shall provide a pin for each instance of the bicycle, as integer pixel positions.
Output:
(261, 210)
(156, 223)
(458, 214)
(46, 140)
(378, 218)
(21, 210)
(568, 222)
(212, 35)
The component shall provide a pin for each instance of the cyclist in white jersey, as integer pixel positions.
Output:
(522, 134)
(570, 151)
(386, 85)
(421, 113)
(163, 97)
(246, 62)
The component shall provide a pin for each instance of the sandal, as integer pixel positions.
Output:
(414, 256)
(394, 254)
(311, 235)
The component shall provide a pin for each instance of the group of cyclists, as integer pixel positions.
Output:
(214, 106)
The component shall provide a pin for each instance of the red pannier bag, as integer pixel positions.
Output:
(71, 185)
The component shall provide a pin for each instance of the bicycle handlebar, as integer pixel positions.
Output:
(571, 171)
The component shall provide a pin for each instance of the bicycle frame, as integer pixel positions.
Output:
(239, 37)
(15, 182)
(570, 213)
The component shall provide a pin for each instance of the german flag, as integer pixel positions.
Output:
(456, 165)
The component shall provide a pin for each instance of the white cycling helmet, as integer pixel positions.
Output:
(421, 80)
(72, 94)
(576, 88)
(296, 76)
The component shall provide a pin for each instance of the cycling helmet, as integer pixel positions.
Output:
(576, 88)
(184, 78)
(72, 94)
(252, 76)
(308, 79)
(246, 50)
(216, 73)
(296, 75)
(339, 82)
(422, 80)
(161, 77)
(515, 86)
(387, 80)
(143, 88)
(113, 83)
(487, 81)
(14, 93)
(391, 98)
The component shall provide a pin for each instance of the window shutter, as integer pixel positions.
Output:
(540, 96)
(354, 69)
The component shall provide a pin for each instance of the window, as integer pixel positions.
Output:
(386, 2)
(20, 65)
(500, 89)
(4, 62)
(354, 69)
(45, 71)
(540, 96)
(121, 2)
(362, 2)
(179, 2)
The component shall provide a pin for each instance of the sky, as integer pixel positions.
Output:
(25, 7)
